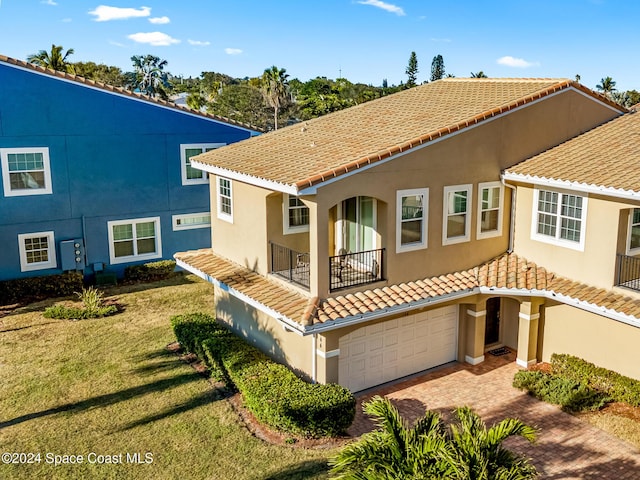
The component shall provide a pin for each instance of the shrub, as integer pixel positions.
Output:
(23, 290)
(617, 386)
(150, 272)
(274, 394)
(571, 395)
(92, 307)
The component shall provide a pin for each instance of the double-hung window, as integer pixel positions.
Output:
(633, 246)
(489, 210)
(133, 240)
(224, 189)
(295, 215)
(25, 171)
(412, 207)
(559, 218)
(37, 251)
(456, 214)
(190, 174)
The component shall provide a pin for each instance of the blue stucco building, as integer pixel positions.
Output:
(98, 177)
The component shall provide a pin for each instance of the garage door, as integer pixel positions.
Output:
(389, 350)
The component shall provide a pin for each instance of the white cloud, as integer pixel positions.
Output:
(66, 20)
(116, 44)
(157, 39)
(384, 6)
(49, 2)
(510, 61)
(103, 13)
(159, 20)
(232, 51)
(198, 43)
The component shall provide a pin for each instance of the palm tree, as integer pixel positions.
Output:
(465, 451)
(479, 74)
(275, 88)
(479, 451)
(607, 86)
(54, 60)
(150, 78)
(395, 450)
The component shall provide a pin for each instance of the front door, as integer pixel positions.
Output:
(492, 326)
(356, 230)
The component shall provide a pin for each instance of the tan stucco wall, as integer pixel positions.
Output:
(605, 233)
(597, 339)
(263, 331)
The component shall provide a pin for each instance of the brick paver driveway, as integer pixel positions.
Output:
(567, 448)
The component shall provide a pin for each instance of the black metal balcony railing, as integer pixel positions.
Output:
(628, 269)
(352, 269)
(291, 265)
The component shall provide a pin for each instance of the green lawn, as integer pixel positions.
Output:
(105, 388)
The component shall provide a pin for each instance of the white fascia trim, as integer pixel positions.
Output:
(574, 186)
(367, 317)
(244, 178)
(286, 322)
(551, 295)
(143, 100)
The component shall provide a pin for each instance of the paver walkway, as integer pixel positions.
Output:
(567, 448)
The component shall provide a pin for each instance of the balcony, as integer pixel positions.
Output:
(628, 269)
(290, 265)
(353, 269)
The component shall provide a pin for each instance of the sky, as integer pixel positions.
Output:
(364, 41)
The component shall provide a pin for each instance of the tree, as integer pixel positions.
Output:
(607, 86)
(54, 60)
(437, 68)
(466, 450)
(150, 77)
(479, 451)
(412, 71)
(395, 450)
(479, 74)
(100, 73)
(275, 88)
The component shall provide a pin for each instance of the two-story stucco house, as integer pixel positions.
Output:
(96, 176)
(378, 241)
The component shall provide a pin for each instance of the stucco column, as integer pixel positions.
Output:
(319, 249)
(528, 323)
(476, 317)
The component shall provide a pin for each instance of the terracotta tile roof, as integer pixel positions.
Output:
(121, 91)
(606, 157)
(508, 272)
(311, 152)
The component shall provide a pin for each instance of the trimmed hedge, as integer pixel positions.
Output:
(571, 395)
(270, 390)
(150, 272)
(23, 290)
(613, 384)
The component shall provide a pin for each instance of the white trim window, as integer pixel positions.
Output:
(412, 207)
(456, 216)
(295, 215)
(189, 221)
(224, 190)
(633, 239)
(26, 171)
(489, 209)
(134, 240)
(190, 174)
(37, 251)
(559, 218)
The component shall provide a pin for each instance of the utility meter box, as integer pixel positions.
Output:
(72, 254)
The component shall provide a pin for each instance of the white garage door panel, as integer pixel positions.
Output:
(380, 353)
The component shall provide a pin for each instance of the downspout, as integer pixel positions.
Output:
(512, 218)
(314, 367)
(84, 241)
